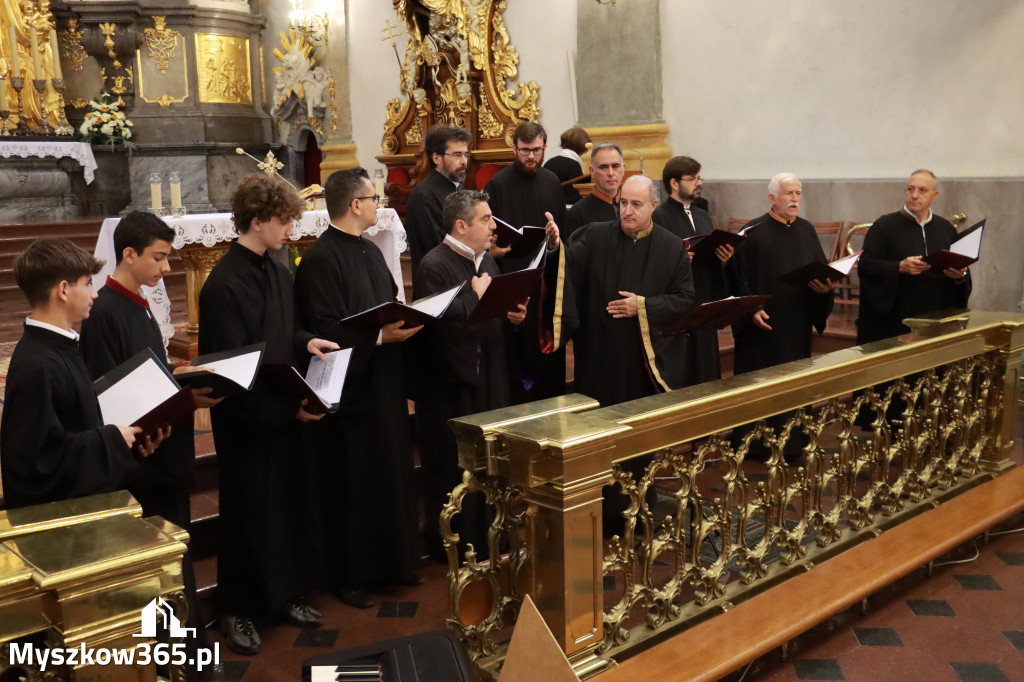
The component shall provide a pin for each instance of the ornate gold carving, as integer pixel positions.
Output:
(224, 69)
(164, 99)
(395, 113)
(107, 29)
(453, 103)
(270, 165)
(489, 126)
(79, 103)
(414, 135)
(161, 42)
(71, 42)
(131, 76)
(334, 106)
(118, 88)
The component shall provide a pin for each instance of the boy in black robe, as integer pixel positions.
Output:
(54, 444)
(681, 217)
(895, 283)
(270, 550)
(527, 194)
(447, 150)
(460, 364)
(364, 448)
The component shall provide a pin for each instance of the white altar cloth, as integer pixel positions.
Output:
(209, 229)
(79, 151)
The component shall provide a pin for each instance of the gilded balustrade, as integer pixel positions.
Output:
(724, 526)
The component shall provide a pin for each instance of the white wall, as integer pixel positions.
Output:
(541, 31)
(869, 89)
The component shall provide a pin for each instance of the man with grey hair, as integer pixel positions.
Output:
(895, 282)
(607, 166)
(460, 365)
(778, 243)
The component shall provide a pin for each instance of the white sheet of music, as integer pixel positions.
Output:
(435, 305)
(845, 265)
(970, 245)
(327, 377)
(241, 369)
(136, 394)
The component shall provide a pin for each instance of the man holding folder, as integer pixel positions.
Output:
(895, 281)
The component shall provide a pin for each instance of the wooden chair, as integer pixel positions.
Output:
(829, 233)
(736, 224)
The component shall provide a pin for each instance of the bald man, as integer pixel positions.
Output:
(629, 278)
(895, 282)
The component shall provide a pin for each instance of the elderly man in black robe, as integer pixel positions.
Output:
(460, 364)
(680, 216)
(607, 166)
(777, 243)
(527, 194)
(895, 282)
(365, 447)
(447, 150)
(270, 540)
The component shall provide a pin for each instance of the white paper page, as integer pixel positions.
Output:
(535, 263)
(327, 377)
(845, 265)
(436, 304)
(144, 388)
(970, 245)
(499, 220)
(239, 369)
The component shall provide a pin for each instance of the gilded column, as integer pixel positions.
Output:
(340, 151)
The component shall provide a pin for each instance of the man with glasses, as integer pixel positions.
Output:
(364, 448)
(680, 216)
(525, 193)
(447, 150)
(607, 167)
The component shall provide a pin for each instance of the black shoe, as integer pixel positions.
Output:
(301, 615)
(241, 634)
(414, 579)
(359, 599)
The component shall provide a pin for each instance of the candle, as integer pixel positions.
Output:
(175, 181)
(12, 38)
(378, 182)
(57, 73)
(156, 200)
(33, 38)
(3, 94)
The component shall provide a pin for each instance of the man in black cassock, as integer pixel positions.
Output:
(682, 218)
(778, 243)
(447, 150)
(120, 325)
(895, 282)
(364, 453)
(607, 167)
(270, 541)
(460, 364)
(55, 445)
(568, 165)
(525, 194)
(630, 278)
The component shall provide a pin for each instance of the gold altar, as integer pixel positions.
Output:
(77, 574)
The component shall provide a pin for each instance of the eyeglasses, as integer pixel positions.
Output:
(375, 197)
(535, 151)
(458, 155)
(692, 178)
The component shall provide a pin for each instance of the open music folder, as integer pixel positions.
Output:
(422, 311)
(227, 372)
(505, 293)
(703, 246)
(715, 314)
(141, 392)
(835, 271)
(522, 240)
(963, 252)
(321, 387)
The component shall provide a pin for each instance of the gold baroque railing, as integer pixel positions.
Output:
(941, 403)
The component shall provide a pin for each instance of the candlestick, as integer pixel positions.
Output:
(63, 127)
(4, 113)
(33, 39)
(155, 197)
(3, 93)
(40, 85)
(12, 38)
(57, 73)
(18, 83)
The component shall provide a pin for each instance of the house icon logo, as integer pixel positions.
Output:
(159, 612)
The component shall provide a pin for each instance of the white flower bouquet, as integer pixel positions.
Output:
(106, 124)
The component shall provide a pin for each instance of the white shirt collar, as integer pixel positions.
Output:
(70, 333)
(570, 154)
(464, 250)
(919, 222)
